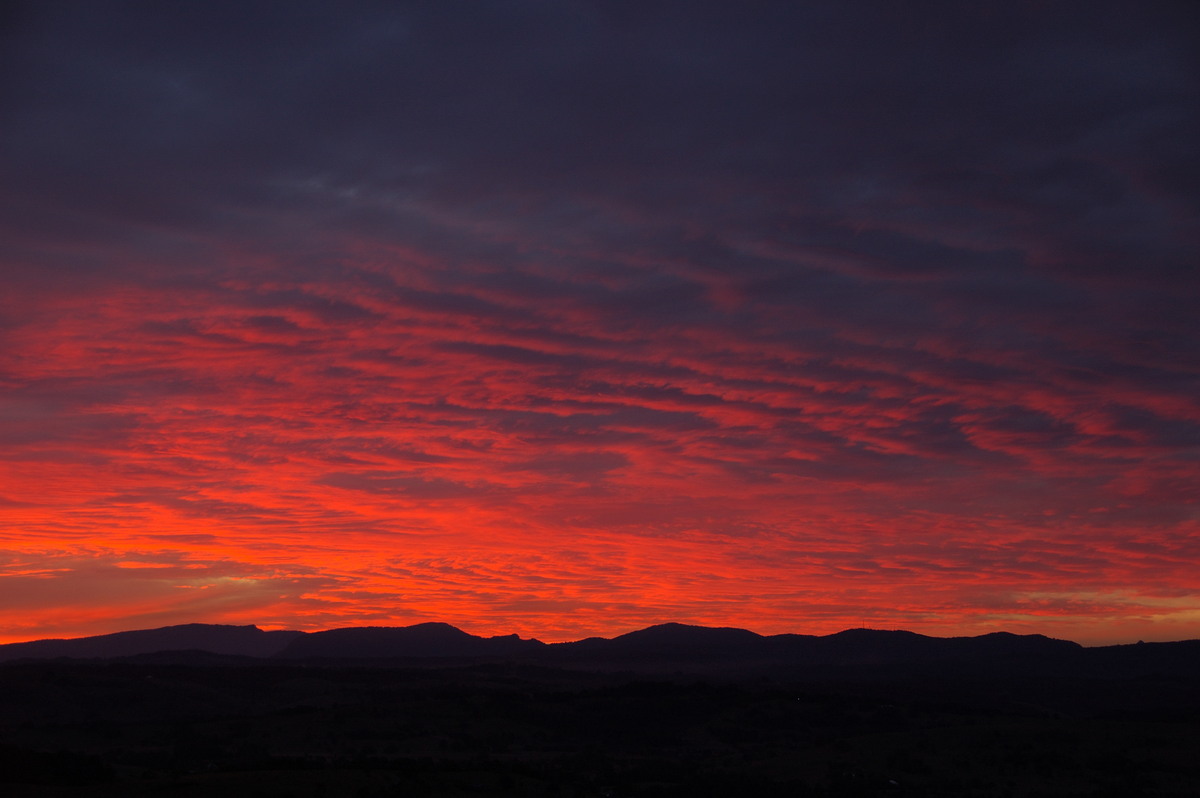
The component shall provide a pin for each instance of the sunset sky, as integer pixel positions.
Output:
(566, 318)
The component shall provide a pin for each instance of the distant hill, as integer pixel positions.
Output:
(676, 646)
(421, 640)
(244, 641)
(664, 648)
(874, 646)
(668, 642)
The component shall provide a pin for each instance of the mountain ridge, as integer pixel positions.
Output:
(662, 648)
(225, 639)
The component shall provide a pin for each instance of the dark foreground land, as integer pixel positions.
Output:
(151, 728)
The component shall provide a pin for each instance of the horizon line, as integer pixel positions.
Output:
(267, 629)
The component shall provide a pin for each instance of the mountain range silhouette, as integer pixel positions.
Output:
(671, 710)
(664, 647)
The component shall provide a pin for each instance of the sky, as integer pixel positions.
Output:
(569, 317)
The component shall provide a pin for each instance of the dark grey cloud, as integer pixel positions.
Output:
(474, 103)
(406, 485)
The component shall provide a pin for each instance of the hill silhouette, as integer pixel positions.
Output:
(668, 647)
(673, 710)
(670, 641)
(421, 640)
(242, 641)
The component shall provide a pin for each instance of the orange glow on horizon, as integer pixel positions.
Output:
(213, 469)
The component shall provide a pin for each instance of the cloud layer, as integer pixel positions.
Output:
(569, 317)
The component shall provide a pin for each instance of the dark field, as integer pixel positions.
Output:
(137, 729)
